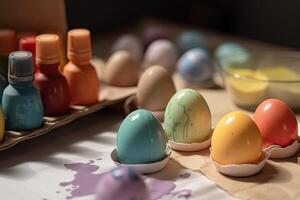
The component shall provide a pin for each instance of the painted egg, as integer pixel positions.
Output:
(163, 53)
(187, 117)
(141, 139)
(189, 40)
(121, 69)
(236, 140)
(195, 66)
(152, 33)
(231, 54)
(276, 122)
(130, 43)
(155, 88)
(121, 184)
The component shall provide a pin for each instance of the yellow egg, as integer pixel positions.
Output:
(1, 125)
(236, 140)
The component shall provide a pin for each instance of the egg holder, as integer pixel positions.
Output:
(109, 95)
(131, 104)
(242, 170)
(146, 168)
(276, 151)
(189, 147)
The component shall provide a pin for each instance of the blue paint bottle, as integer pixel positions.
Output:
(21, 101)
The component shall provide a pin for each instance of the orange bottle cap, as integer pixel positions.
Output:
(8, 41)
(79, 45)
(47, 49)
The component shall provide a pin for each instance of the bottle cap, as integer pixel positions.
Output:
(23, 34)
(20, 67)
(27, 44)
(8, 41)
(47, 49)
(79, 45)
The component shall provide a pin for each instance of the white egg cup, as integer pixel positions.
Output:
(241, 170)
(188, 147)
(277, 151)
(147, 168)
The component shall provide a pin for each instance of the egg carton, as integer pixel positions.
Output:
(109, 95)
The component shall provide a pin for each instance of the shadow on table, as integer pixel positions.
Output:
(63, 140)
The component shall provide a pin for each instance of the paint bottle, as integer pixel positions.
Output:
(8, 44)
(21, 101)
(81, 75)
(52, 84)
(27, 43)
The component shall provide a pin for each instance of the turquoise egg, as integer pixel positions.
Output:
(141, 139)
(191, 39)
(187, 117)
(231, 54)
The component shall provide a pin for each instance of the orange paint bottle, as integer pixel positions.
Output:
(79, 72)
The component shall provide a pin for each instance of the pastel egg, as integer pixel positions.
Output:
(195, 66)
(141, 139)
(121, 69)
(276, 122)
(163, 53)
(236, 140)
(191, 39)
(121, 183)
(130, 43)
(231, 54)
(187, 117)
(152, 33)
(155, 89)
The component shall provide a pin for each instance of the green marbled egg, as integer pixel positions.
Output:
(187, 117)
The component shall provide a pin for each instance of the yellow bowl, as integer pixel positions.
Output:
(267, 75)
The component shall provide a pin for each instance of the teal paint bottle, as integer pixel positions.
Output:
(21, 100)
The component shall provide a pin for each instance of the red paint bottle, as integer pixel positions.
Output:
(27, 43)
(52, 84)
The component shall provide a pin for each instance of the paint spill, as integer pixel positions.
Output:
(185, 175)
(85, 182)
(183, 194)
(159, 188)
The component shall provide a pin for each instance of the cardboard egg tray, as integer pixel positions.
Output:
(109, 95)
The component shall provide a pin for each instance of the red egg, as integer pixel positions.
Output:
(276, 122)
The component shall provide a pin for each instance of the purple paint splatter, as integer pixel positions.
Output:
(85, 182)
(185, 175)
(183, 194)
(159, 188)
